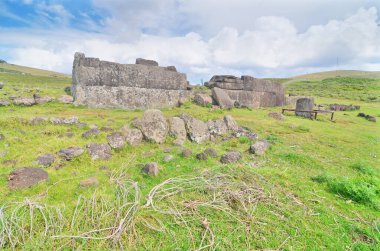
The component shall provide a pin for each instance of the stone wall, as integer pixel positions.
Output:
(248, 91)
(142, 85)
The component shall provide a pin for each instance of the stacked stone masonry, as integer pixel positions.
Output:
(142, 85)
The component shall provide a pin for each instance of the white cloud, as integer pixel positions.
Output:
(272, 47)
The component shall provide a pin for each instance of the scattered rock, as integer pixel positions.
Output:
(177, 129)
(81, 125)
(65, 121)
(367, 117)
(151, 169)
(66, 99)
(260, 147)
(116, 140)
(25, 177)
(211, 152)
(168, 158)
(217, 127)
(147, 154)
(133, 136)
(167, 150)
(201, 156)
(90, 133)
(71, 152)
(2, 137)
(38, 121)
(99, 151)
(276, 115)
(203, 99)
(1, 85)
(104, 168)
(24, 101)
(154, 126)
(197, 130)
(231, 123)
(92, 181)
(3, 153)
(9, 162)
(4, 102)
(340, 107)
(42, 100)
(230, 157)
(106, 129)
(45, 160)
(186, 153)
(245, 132)
(222, 98)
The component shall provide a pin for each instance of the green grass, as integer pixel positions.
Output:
(315, 189)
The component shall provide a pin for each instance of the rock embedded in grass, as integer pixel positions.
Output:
(24, 101)
(42, 100)
(133, 136)
(116, 140)
(186, 153)
(168, 158)
(231, 123)
(92, 181)
(230, 157)
(201, 156)
(38, 121)
(260, 147)
(71, 152)
(65, 121)
(217, 127)
(197, 130)
(211, 152)
(202, 99)
(25, 177)
(90, 133)
(4, 102)
(99, 151)
(45, 160)
(151, 169)
(276, 116)
(2, 137)
(66, 99)
(177, 129)
(153, 126)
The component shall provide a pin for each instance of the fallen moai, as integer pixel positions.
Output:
(230, 91)
(142, 85)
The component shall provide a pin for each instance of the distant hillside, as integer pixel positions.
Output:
(340, 73)
(17, 69)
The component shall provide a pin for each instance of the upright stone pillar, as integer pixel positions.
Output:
(304, 104)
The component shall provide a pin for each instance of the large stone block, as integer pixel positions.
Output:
(304, 104)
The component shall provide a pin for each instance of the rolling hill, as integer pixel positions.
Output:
(18, 69)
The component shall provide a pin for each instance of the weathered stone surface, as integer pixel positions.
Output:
(248, 91)
(222, 98)
(260, 147)
(151, 169)
(116, 140)
(66, 99)
(131, 86)
(230, 157)
(217, 127)
(202, 99)
(42, 100)
(177, 129)
(245, 132)
(99, 151)
(4, 102)
(211, 152)
(133, 136)
(146, 62)
(304, 104)
(38, 121)
(25, 177)
(71, 152)
(186, 153)
(276, 116)
(171, 68)
(231, 123)
(24, 101)
(154, 126)
(197, 130)
(340, 107)
(65, 121)
(92, 181)
(201, 156)
(106, 129)
(90, 133)
(292, 100)
(45, 160)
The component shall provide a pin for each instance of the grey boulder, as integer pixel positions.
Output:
(230, 157)
(116, 140)
(197, 130)
(45, 160)
(71, 152)
(153, 126)
(99, 151)
(260, 147)
(151, 169)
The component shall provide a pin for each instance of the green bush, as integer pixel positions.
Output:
(363, 168)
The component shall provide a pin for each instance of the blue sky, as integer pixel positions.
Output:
(270, 38)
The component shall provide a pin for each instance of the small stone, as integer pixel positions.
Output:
(42, 100)
(45, 160)
(38, 121)
(260, 147)
(99, 151)
(133, 136)
(151, 169)
(104, 168)
(66, 99)
(106, 129)
(3, 153)
(90, 133)
(186, 153)
(116, 140)
(168, 158)
(9, 162)
(81, 125)
(276, 116)
(230, 157)
(167, 150)
(4, 102)
(147, 154)
(71, 152)
(211, 152)
(65, 121)
(24, 101)
(201, 156)
(25, 177)
(92, 181)
(178, 142)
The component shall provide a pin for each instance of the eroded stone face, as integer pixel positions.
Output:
(154, 126)
(131, 86)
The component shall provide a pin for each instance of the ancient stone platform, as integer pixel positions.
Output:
(246, 91)
(142, 85)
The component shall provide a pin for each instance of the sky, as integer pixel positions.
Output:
(202, 38)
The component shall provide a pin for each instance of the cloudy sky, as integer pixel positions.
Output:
(263, 38)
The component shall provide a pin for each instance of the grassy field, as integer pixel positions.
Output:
(317, 188)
